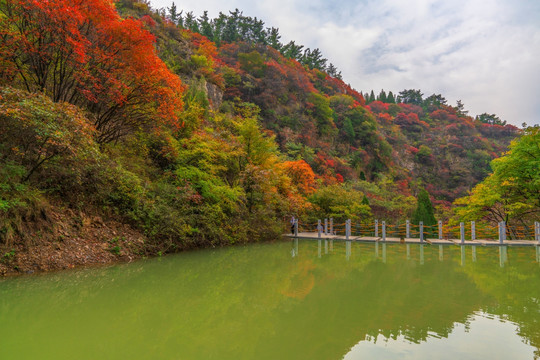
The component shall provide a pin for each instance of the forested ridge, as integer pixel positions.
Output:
(199, 132)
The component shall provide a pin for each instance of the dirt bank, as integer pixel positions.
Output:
(65, 239)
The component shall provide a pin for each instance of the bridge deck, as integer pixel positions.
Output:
(478, 242)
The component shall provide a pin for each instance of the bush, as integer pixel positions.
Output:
(18, 202)
(339, 202)
(52, 141)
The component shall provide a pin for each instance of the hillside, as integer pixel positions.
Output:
(118, 116)
(408, 139)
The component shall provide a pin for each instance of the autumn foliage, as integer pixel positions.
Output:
(261, 132)
(302, 176)
(83, 52)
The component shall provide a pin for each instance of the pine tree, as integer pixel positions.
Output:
(205, 26)
(365, 200)
(332, 70)
(273, 38)
(190, 22)
(349, 129)
(371, 97)
(411, 96)
(391, 99)
(382, 96)
(424, 210)
(173, 14)
(461, 109)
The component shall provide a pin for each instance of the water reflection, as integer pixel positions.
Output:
(456, 287)
(259, 302)
(348, 249)
(503, 255)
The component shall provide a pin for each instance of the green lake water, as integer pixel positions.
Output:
(284, 300)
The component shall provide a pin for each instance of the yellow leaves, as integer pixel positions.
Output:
(507, 182)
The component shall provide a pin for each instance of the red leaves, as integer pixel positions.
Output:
(378, 107)
(148, 21)
(409, 121)
(81, 51)
(413, 150)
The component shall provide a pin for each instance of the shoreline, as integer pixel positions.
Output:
(68, 239)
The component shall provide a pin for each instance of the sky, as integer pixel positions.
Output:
(485, 53)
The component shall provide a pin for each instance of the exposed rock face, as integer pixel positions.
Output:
(215, 95)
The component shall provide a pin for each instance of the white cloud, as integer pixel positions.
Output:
(485, 53)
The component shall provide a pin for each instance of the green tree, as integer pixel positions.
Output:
(382, 96)
(391, 99)
(411, 97)
(511, 193)
(173, 13)
(424, 210)
(322, 113)
(371, 97)
(273, 38)
(348, 129)
(253, 63)
(340, 202)
(491, 119)
(434, 102)
(205, 26)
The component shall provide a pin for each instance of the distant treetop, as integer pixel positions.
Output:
(237, 27)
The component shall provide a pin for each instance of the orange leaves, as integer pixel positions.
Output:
(301, 175)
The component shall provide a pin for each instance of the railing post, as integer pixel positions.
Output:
(473, 230)
(347, 228)
(376, 228)
(331, 226)
(319, 228)
(421, 231)
(504, 230)
(384, 231)
(408, 232)
(325, 226)
(296, 227)
(537, 231)
(501, 232)
(440, 229)
(462, 232)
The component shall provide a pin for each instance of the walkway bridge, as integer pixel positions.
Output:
(408, 233)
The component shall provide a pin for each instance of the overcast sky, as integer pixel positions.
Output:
(484, 52)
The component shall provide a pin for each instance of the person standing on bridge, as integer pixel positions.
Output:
(293, 221)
